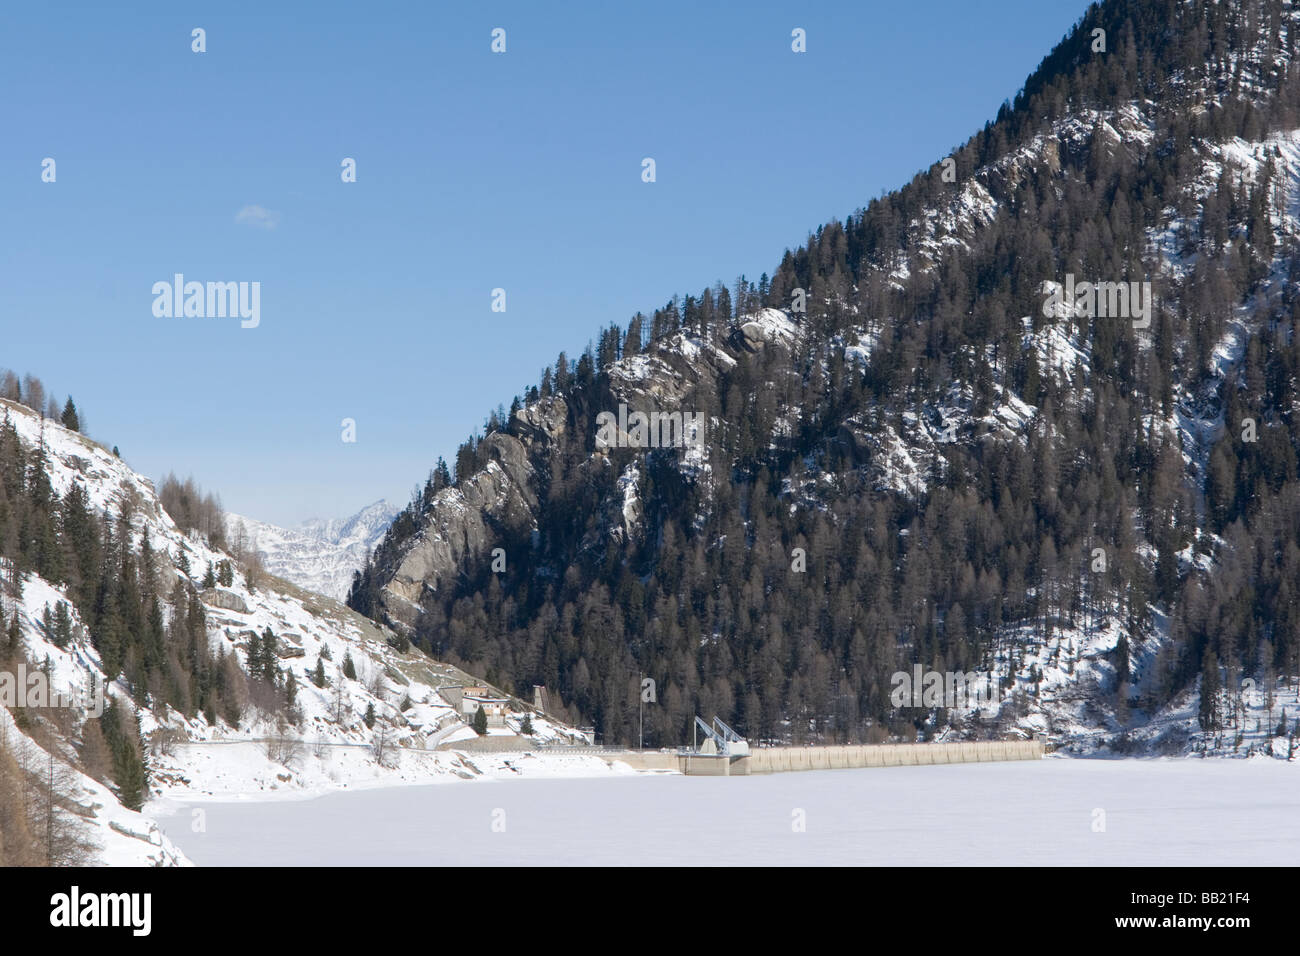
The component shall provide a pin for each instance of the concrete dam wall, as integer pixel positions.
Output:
(782, 759)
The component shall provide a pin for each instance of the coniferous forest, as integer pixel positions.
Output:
(993, 549)
(151, 635)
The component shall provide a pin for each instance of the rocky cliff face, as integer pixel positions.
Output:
(464, 522)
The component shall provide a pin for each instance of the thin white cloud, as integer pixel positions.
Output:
(258, 217)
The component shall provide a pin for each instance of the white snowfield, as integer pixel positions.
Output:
(1053, 812)
(224, 762)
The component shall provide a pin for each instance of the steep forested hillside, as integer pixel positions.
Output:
(907, 459)
(140, 659)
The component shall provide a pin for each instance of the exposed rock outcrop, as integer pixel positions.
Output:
(465, 524)
(227, 600)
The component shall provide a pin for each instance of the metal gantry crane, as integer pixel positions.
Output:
(720, 739)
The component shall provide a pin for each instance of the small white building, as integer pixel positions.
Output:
(496, 708)
(468, 698)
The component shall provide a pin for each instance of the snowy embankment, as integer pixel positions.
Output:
(112, 834)
(239, 770)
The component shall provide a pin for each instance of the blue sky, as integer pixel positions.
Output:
(475, 171)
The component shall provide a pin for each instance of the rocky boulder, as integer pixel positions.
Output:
(226, 600)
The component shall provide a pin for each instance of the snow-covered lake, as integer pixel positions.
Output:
(1042, 813)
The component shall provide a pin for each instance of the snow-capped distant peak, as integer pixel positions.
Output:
(319, 554)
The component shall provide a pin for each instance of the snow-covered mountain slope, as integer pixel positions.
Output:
(366, 708)
(925, 358)
(320, 555)
(112, 835)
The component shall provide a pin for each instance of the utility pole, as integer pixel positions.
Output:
(641, 709)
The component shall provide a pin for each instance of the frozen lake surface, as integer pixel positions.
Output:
(1040, 813)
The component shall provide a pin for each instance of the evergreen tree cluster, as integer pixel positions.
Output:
(30, 392)
(154, 638)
